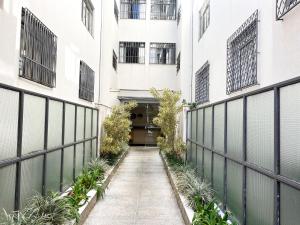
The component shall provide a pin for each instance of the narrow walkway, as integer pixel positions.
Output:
(139, 194)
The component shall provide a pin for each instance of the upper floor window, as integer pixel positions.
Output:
(242, 56)
(115, 61)
(204, 19)
(37, 51)
(87, 15)
(116, 11)
(202, 84)
(132, 52)
(284, 6)
(178, 62)
(163, 9)
(162, 53)
(133, 9)
(86, 82)
(178, 15)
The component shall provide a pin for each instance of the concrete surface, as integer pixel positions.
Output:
(139, 194)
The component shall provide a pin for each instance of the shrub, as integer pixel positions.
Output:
(117, 129)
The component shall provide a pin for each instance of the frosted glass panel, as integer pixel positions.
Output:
(31, 178)
(68, 166)
(290, 205)
(79, 159)
(9, 105)
(189, 151)
(80, 124)
(33, 124)
(53, 171)
(290, 132)
(208, 126)
(260, 199)
(234, 189)
(189, 125)
(260, 130)
(88, 152)
(199, 161)
(55, 124)
(194, 125)
(94, 149)
(88, 123)
(219, 113)
(200, 127)
(235, 128)
(218, 176)
(69, 123)
(207, 165)
(7, 187)
(95, 123)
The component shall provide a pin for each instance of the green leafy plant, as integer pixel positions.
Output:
(117, 129)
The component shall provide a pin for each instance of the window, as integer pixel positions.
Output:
(163, 9)
(133, 9)
(86, 82)
(116, 11)
(87, 15)
(37, 51)
(242, 56)
(178, 15)
(284, 6)
(178, 62)
(204, 19)
(132, 52)
(162, 53)
(115, 61)
(202, 84)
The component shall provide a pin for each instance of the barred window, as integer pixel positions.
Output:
(38, 47)
(178, 15)
(133, 9)
(87, 15)
(163, 9)
(178, 62)
(284, 6)
(202, 84)
(204, 19)
(86, 82)
(116, 11)
(162, 53)
(132, 52)
(115, 61)
(242, 56)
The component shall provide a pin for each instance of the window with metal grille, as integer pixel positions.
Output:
(86, 82)
(204, 19)
(163, 9)
(242, 56)
(115, 61)
(202, 84)
(133, 9)
(284, 6)
(132, 52)
(178, 62)
(178, 15)
(38, 47)
(87, 15)
(116, 11)
(162, 53)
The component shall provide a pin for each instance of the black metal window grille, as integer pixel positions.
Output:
(162, 53)
(163, 9)
(86, 82)
(133, 9)
(115, 61)
(38, 47)
(116, 11)
(204, 19)
(178, 62)
(87, 15)
(242, 56)
(202, 84)
(178, 15)
(284, 6)
(132, 52)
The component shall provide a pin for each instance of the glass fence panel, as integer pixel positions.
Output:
(94, 149)
(189, 121)
(219, 123)
(95, 123)
(200, 127)
(208, 127)
(55, 124)
(53, 171)
(80, 124)
(194, 155)
(194, 125)
(7, 187)
(79, 159)
(218, 176)
(68, 167)
(87, 152)
(88, 123)
(69, 123)
(207, 165)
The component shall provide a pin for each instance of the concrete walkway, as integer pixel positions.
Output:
(139, 194)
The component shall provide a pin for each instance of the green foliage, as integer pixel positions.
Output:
(117, 129)
(167, 120)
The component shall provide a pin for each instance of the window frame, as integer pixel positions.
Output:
(204, 19)
(172, 46)
(202, 80)
(131, 15)
(178, 62)
(116, 11)
(138, 59)
(159, 15)
(88, 19)
(115, 61)
(85, 83)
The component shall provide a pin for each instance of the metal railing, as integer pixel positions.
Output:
(247, 148)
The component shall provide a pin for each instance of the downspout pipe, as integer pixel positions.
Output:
(100, 55)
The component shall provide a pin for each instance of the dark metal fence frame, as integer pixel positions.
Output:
(276, 176)
(43, 152)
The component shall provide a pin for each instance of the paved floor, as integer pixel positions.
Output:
(139, 194)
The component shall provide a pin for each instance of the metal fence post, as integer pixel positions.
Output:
(62, 150)
(225, 153)
(75, 139)
(244, 155)
(212, 144)
(45, 146)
